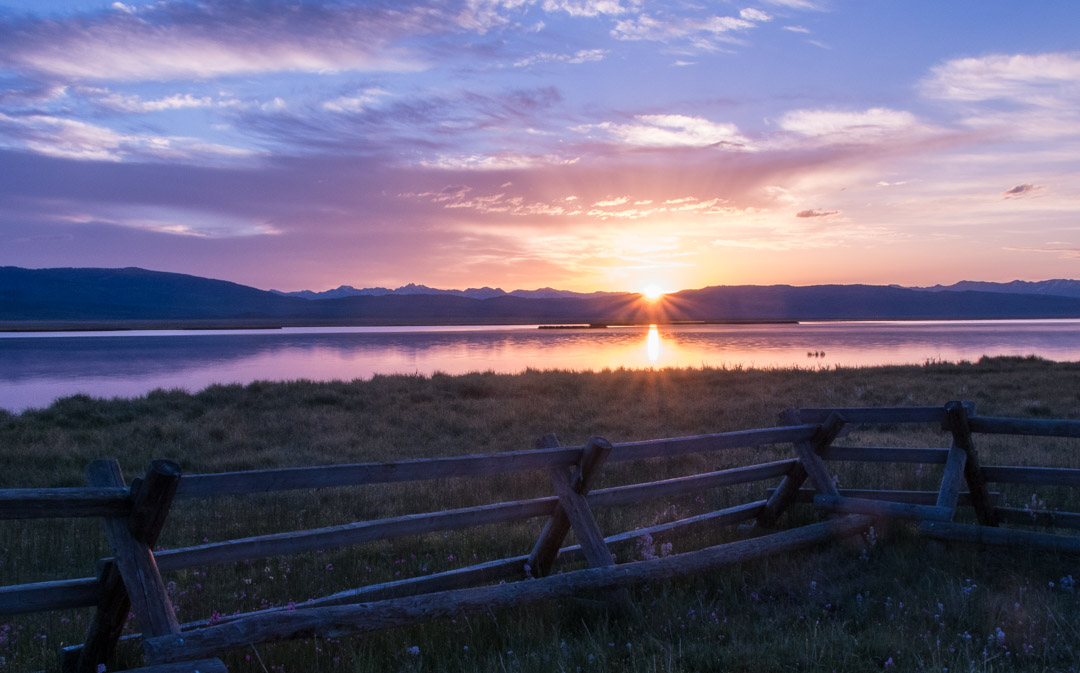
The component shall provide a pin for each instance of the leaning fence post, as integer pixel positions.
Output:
(810, 464)
(574, 487)
(131, 579)
(956, 422)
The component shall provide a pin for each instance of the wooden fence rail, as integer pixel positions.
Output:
(134, 515)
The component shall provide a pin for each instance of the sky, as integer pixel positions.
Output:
(578, 144)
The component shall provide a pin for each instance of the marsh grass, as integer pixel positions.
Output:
(892, 603)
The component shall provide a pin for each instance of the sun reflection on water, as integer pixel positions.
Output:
(652, 344)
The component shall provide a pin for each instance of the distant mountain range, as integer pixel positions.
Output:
(97, 296)
(472, 292)
(1055, 288)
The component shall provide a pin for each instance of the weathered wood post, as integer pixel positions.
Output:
(956, 422)
(573, 509)
(810, 464)
(131, 579)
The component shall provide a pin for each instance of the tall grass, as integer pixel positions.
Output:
(892, 603)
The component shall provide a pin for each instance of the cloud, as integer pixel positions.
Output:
(701, 32)
(137, 105)
(357, 102)
(672, 131)
(33, 95)
(485, 15)
(798, 29)
(1021, 191)
(751, 14)
(498, 162)
(1064, 253)
(72, 139)
(169, 41)
(848, 126)
(580, 56)
(795, 4)
(1051, 79)
(585, 7)
(174, 221)
(816, 213)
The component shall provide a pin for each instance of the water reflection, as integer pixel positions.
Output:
(652, 344)
(36, 370)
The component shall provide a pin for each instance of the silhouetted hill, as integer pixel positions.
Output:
(865, 302)
(85, 295)
(129, 294)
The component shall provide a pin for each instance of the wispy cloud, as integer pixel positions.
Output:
(499, 161)
(588, 7)
(816, 213)
(138, 105)
(174, 222)
(796, 4)
(357, 102)
(852, 126)
(1028, 97)
(73, 139)
(580, 56)
(1051, 79)
(751, 14)
(700, 32)
(672, 131)
(169, 41)
(1064, 253)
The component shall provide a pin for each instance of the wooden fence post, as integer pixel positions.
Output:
(949, 493)
(571, 490)
(810, 464)
(574, 510)
(132, 580)
(956, 422)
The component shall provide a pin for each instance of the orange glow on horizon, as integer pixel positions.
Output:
(652, 292)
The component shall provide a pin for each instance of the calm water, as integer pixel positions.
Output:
(37, 368)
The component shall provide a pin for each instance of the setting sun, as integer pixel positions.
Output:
(652, 292)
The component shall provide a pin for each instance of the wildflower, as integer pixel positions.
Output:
(646, 547)
(889, 663)
(414, 650)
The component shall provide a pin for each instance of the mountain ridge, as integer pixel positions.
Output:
(133, 294)
(472, 292)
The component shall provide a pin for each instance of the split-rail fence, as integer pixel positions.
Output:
(134, 514)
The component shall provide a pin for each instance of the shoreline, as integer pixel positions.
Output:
(42, 326)
(270, 325)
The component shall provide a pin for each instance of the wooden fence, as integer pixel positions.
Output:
(134, 514)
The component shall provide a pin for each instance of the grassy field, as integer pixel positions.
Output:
(893, 603)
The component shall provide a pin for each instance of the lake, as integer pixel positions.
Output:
(36, 368)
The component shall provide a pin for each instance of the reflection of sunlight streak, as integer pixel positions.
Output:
(652, 344)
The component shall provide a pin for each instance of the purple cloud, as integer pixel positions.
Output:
(816, 213)
(1021, 191)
